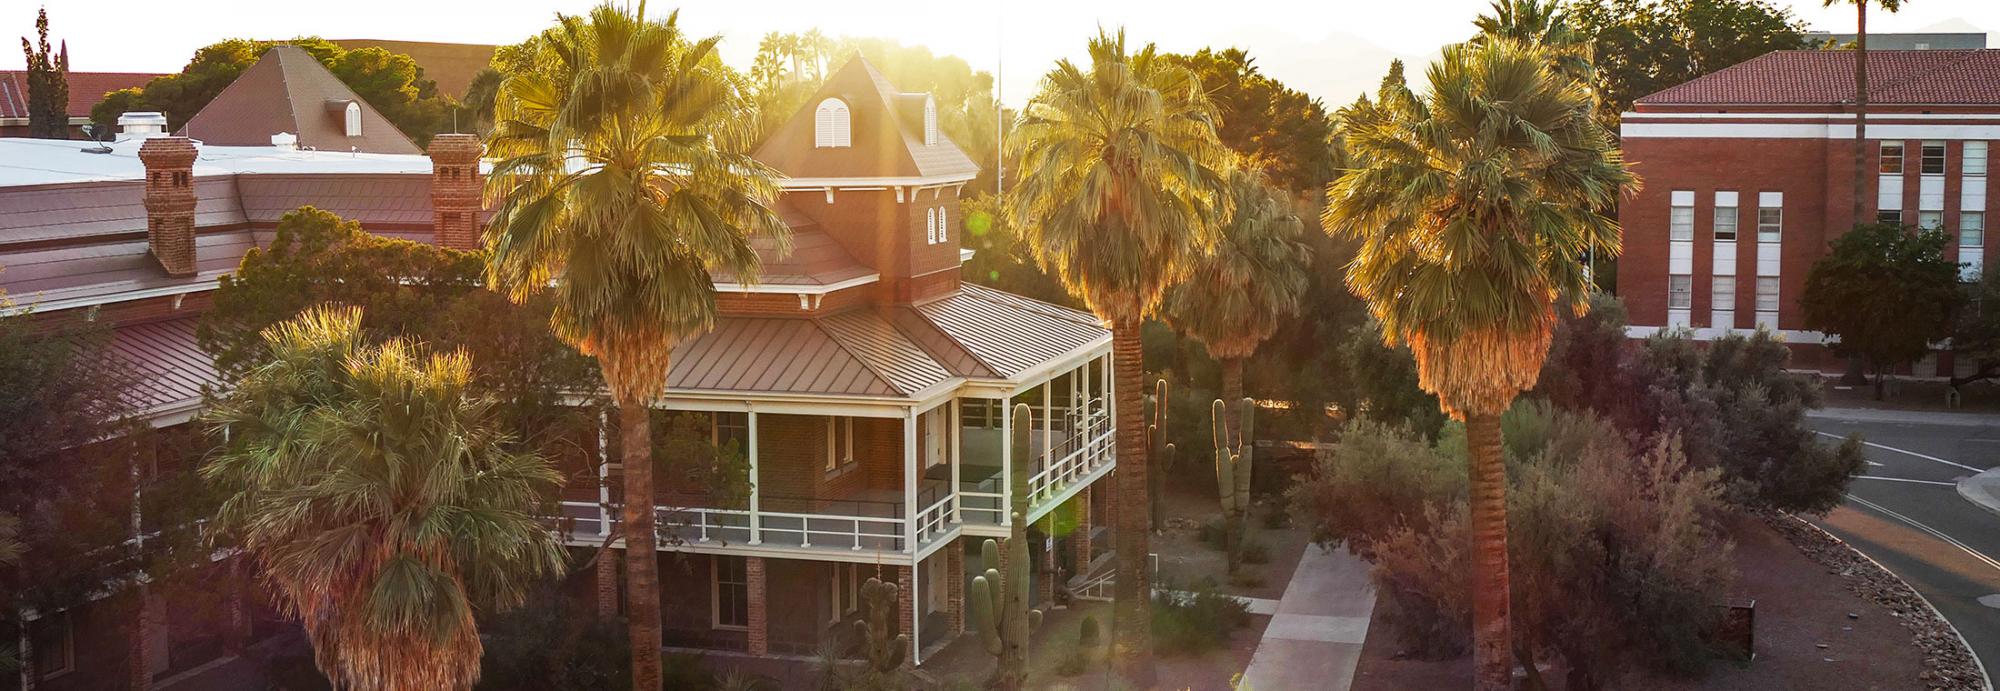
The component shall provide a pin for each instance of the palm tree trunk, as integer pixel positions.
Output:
(1492, 651)
(642, 564)
(1860, 109)
(1132, 591)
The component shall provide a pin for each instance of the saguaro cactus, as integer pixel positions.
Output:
(1232, 475)
(1000, 612)
(878, 618)
(1160, 453)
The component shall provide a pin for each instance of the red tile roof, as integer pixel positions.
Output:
(289, 91)
(885, 143)
(85, 90)
(1816, 77)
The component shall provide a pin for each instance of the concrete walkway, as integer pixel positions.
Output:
(1314, 640)
(1894, 416)
(1983, 490)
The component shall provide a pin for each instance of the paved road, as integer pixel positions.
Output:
(1905, 512)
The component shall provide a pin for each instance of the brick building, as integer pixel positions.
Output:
(1749, 176)
(864, 382)
(85, 90)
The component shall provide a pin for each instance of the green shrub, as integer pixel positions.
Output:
(1376, 480)
(1195, 622)
(1212, 533)
(554, 642)
(1276, 516)
(1615, 555)
(1255, 552)
(1247, 578)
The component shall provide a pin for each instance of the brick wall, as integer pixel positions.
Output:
(455, 190)
(170, 202)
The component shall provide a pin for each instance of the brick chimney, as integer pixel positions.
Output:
(455, 190)
(170, 202)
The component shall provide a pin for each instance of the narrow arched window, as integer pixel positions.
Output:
(943, 225)
(830, 125)
(930, 122)
(930, 226)
(353, 119)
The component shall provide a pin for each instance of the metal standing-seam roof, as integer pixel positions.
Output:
(1008, 333)
(772, 355)
(169, 367)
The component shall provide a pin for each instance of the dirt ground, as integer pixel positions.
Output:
(1800, 608)
(1186, 560)
(965, 662)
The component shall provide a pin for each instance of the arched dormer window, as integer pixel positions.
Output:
(930, 226)
(353, 119)
(930, 122)
(830, 125)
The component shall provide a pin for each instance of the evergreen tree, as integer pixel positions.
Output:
(48, 84)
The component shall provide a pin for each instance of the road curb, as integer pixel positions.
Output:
(1983, 490)
(1985, 677)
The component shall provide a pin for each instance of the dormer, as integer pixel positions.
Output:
(869, 166)
(290, 92)
(346, 112)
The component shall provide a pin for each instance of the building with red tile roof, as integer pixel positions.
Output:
(867, 385)
(85, 90)
(1749, 176)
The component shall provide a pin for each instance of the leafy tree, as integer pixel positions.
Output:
(619, 190)
(1000, 256)
(48, 84)
(1975, 333)
(1731, 404)
(410, 290)
(1384, 378)
(1643, 46)
(1475, 204)
(1886, 292)
(1247, 283)
(1276, 129)
(1119, 186)
(391, 82)
(379, 501)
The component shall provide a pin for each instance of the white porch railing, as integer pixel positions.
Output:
(1083, 452)
(709, 526)
(982, 507)
(934, 521)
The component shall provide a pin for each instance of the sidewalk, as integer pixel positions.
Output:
(1314, 640)
(1919, 417)
(1983, 490)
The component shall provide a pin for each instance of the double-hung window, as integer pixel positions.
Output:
(731, 596)
(1933, 158)
(1725, 223)
(1892, 158)
(1770, 223)
(1680, 219)
(1680, 292)
(1971, 229)
(1767, 294)
(1722, 293)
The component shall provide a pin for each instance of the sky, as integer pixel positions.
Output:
(1331, 49)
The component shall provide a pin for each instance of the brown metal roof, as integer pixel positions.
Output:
(883, 145)
(288, 91)
(885, 350)
(1007, 332)
(169, 366)
(772, 355)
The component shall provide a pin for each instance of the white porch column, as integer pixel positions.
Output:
(911, 511)
(955, 429)
(1048, 440)
(604, 512)
(1006, 461)
(916, 612)
(756, 483)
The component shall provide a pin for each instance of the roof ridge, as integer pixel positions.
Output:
(987, 293)
(976, 357)
(823, 323)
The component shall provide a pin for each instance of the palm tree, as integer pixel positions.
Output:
(619, 188)
(1860, 209)
(1116, 191)
(1252, 280)
(1543, 23)
(380, 501)
(1473, 205)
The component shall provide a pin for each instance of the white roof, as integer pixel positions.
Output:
(56, 161)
